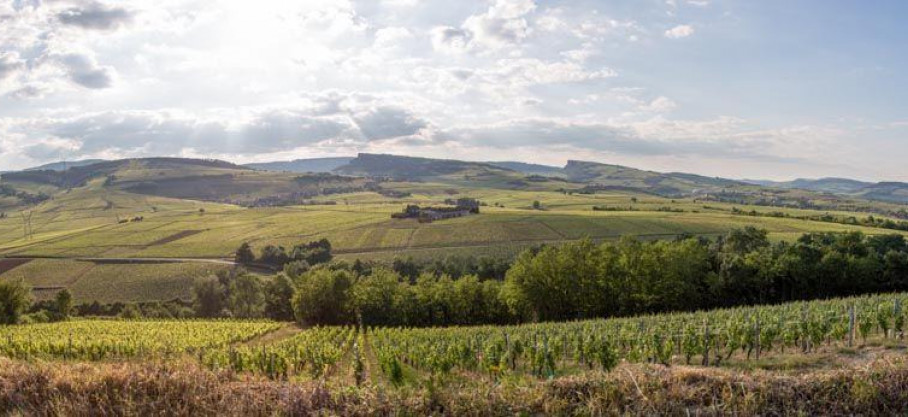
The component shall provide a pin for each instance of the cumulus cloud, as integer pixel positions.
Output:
(27, 92)
(350, 120)
(388, 122)
(680, 31)
(10, 64)
(721, 137)
(659, 104)
(247, 80)
(391, 37)
(450, 39)
(84, 70)
(95, 15)
(503, 24)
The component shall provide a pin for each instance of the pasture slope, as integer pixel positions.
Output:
(129, 210)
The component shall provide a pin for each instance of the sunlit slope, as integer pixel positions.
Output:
(91, 223)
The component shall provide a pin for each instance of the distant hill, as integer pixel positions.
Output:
(895, 192)
(302, 165)
(828, 185)
(192, 179)
(405, 167)
(64, 165)
(128, 169)
(527, 168)
(622, 177)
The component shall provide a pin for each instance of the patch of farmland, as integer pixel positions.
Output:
(8, 264)
(174, 237)
(40, 273)
(144, 282)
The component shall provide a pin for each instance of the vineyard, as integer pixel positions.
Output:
(545, 350)
(98, 340)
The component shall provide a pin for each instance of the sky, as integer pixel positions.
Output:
(773, 89)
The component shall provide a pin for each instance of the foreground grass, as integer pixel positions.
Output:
(176, 388)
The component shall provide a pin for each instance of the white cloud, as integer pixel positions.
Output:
(245, 80)
(502, 25)
(391, 37)
(680, 31)
(10, 64)
(660, 104)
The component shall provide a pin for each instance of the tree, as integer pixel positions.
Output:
(279, 297)
(537, 205)
(63, 303)
(210, 298)
(296, 269)
(244, 255)
(246, 296)
(130, 312)
(274, 255)
(15, 298)
(322, 296)
(313, 253)
(376, 297)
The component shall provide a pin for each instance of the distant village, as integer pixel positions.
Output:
(455, 208)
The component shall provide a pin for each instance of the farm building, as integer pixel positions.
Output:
(462, 207)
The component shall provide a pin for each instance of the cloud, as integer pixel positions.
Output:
(659, 105)
(722, 137)
(85, 71)
(28, 92)
(388, 122)
(96, 16)
(350, 120)
(503, 24)
(10, 64)
(523, 72)
(391, 37)
(450, 39)
(680, 31)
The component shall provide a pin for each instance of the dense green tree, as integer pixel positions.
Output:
(377, 297)
(209, 297)
(15, 298)
(246, 296)
(279, 297)
(244, 255)
(322, 296)
(63, 303)
(274, 255)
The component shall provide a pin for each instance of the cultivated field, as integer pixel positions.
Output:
(748, 359)
(79, 227)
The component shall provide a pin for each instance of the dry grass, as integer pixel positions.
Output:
(875, 388)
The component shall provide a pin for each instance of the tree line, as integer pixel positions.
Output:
(574, 280)
(585, 280)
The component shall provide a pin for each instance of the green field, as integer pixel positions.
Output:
(79, 226)
(84, 227)
(743, 337)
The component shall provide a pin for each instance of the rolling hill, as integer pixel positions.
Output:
(302, 165)
(409, 167)
(826, 185)
(91, 213)
(529, 169)
(191, 179)
(894, 192)
(621, 177)
(64, 165)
